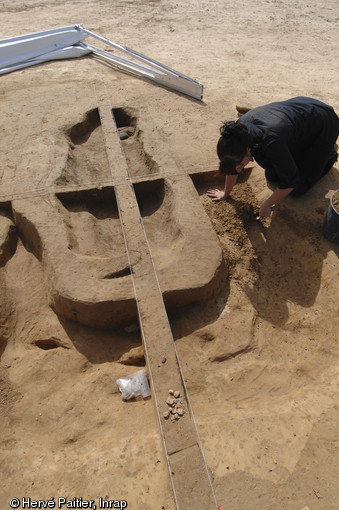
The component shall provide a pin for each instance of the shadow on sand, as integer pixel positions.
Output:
(290, 254)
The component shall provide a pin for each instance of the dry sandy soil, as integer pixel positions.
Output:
(259, 357)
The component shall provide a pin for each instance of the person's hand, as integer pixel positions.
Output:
(265, 211)
(216, 195)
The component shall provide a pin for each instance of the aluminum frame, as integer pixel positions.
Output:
(69, 42)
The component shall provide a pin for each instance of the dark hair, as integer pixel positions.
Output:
(232, 145)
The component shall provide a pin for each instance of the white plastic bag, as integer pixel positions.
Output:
(134, 385)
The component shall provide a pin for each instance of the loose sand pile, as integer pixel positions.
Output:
(259, 351)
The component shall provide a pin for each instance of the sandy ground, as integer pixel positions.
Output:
(260, 360)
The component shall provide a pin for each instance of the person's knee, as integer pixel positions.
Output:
(330, 163)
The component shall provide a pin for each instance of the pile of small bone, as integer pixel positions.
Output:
(175, 403)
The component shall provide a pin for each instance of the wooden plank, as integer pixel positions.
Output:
(188, 471)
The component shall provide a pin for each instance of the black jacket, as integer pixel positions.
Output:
(293, 140)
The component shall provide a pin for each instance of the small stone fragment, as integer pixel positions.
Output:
(180, 411)
(171, 392)
(170, 401)
(166, 415)
(125, 132)
(176, 394)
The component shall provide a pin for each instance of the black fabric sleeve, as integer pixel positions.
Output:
(283, 164)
